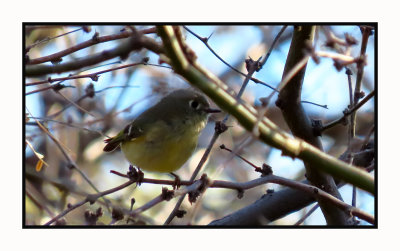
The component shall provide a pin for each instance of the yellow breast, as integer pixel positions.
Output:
(161, 149)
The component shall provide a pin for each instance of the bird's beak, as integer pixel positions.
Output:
(210, 110)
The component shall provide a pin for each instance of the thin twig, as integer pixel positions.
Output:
(344, 59)
(134, 43)
(154, 181)
(349, 112)
(49, 38)
(86, 44)
(76, 105)
(163, 197)
(351, 131)
(65, 107)
(65, 212)
(90, 198)
(86, 96)
(35, 201)
(273, 45)
(312, 103)
(93, 76)
(282, 84)
(366, 32)
(51, 87)
(205, 42)
(30, 28)
(71, 163)
(302, 219)
(63, 123)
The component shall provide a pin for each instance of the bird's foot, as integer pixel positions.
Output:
(177, 181)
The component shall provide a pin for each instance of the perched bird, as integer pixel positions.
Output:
(164, 137)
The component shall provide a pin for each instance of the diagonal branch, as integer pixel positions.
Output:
(94, 40)
(135, 42)
(247, 117)
(276, 205)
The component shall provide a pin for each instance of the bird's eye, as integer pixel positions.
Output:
(194, 104)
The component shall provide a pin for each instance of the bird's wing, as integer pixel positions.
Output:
(130, 132)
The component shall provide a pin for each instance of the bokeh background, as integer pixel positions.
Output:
(122, 95)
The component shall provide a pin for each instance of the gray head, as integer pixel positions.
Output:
(188, 102)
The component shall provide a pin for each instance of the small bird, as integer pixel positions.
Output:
(164, 137)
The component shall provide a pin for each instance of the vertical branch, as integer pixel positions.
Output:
(289, 101)
(366, 32)
(351, 131)
(351, 104)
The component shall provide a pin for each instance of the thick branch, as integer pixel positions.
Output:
(248, 117)
(300, 124)
(273, 206)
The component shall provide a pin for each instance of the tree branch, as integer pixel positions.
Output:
(300, 124)
(94, 40)
(247, 117)
(135, 42)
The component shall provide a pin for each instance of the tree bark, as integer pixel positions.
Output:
(289, 101)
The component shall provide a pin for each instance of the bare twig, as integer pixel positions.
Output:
(49, 39)
(65, 124)
(302, 219)
(65, 212)
(71, 163)
(134, 43)
(76, 105)
(30, 28)
(91, 199)
(36, 201)
(166, 195)
(93, 76)
(86, 44)
(205, 41)
(349, 112)
(51, 87)
(366, 32)
(273, 45)
(343, 59)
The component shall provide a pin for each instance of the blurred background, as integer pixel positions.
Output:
(80, 123)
